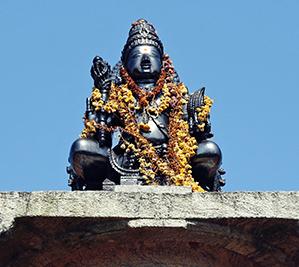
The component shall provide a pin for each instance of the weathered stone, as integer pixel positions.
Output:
(149, 226)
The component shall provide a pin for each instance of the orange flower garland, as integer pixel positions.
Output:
(143, 96)
(175, 168)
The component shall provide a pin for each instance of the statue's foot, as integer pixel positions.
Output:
(89, 163)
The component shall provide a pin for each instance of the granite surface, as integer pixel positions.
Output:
(149, 226)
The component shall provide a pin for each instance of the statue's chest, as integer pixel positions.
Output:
(158, 124)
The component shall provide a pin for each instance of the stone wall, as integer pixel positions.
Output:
(149, 226)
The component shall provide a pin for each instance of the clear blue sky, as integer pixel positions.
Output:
(246, 54)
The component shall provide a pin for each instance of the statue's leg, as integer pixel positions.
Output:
(206, 165)
(89, 163)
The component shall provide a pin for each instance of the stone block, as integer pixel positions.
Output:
(149, 226)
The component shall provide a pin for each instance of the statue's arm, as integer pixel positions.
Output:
(208, 159)
(89, 154)
(101, 73)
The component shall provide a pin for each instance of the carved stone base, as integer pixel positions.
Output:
(108, 185)
(131, 180)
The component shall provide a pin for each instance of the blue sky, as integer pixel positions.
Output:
(246, 54)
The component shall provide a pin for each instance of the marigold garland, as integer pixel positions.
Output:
(203, 112)
(143, 96)
(96, 99)
(90, 128)
(175, 168)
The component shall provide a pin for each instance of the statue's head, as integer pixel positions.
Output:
(143, 52)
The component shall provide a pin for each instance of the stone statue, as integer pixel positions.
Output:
(162, 131)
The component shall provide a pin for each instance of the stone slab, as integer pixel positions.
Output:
(149, 226)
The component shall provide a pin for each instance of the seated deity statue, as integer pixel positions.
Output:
(142, 126)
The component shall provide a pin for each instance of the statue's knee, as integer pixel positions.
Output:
(207, 160)
(88, 147)
(88, 159)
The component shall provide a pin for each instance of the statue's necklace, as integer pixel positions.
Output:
(144, 97)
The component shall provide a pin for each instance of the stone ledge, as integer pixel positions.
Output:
(148, 202)
(137, 226)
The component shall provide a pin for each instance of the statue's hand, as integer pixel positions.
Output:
(196, 101)
(100, 71)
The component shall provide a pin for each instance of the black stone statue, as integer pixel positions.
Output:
(163, 133)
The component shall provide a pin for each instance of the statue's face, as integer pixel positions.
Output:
(144, 62)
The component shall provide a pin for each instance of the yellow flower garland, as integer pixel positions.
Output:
(96, 99)
(203, 112)
(90, 128)
(175, 168)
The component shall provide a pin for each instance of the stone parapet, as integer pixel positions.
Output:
(149, 226)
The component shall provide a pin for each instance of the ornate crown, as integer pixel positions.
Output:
(141, 33)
